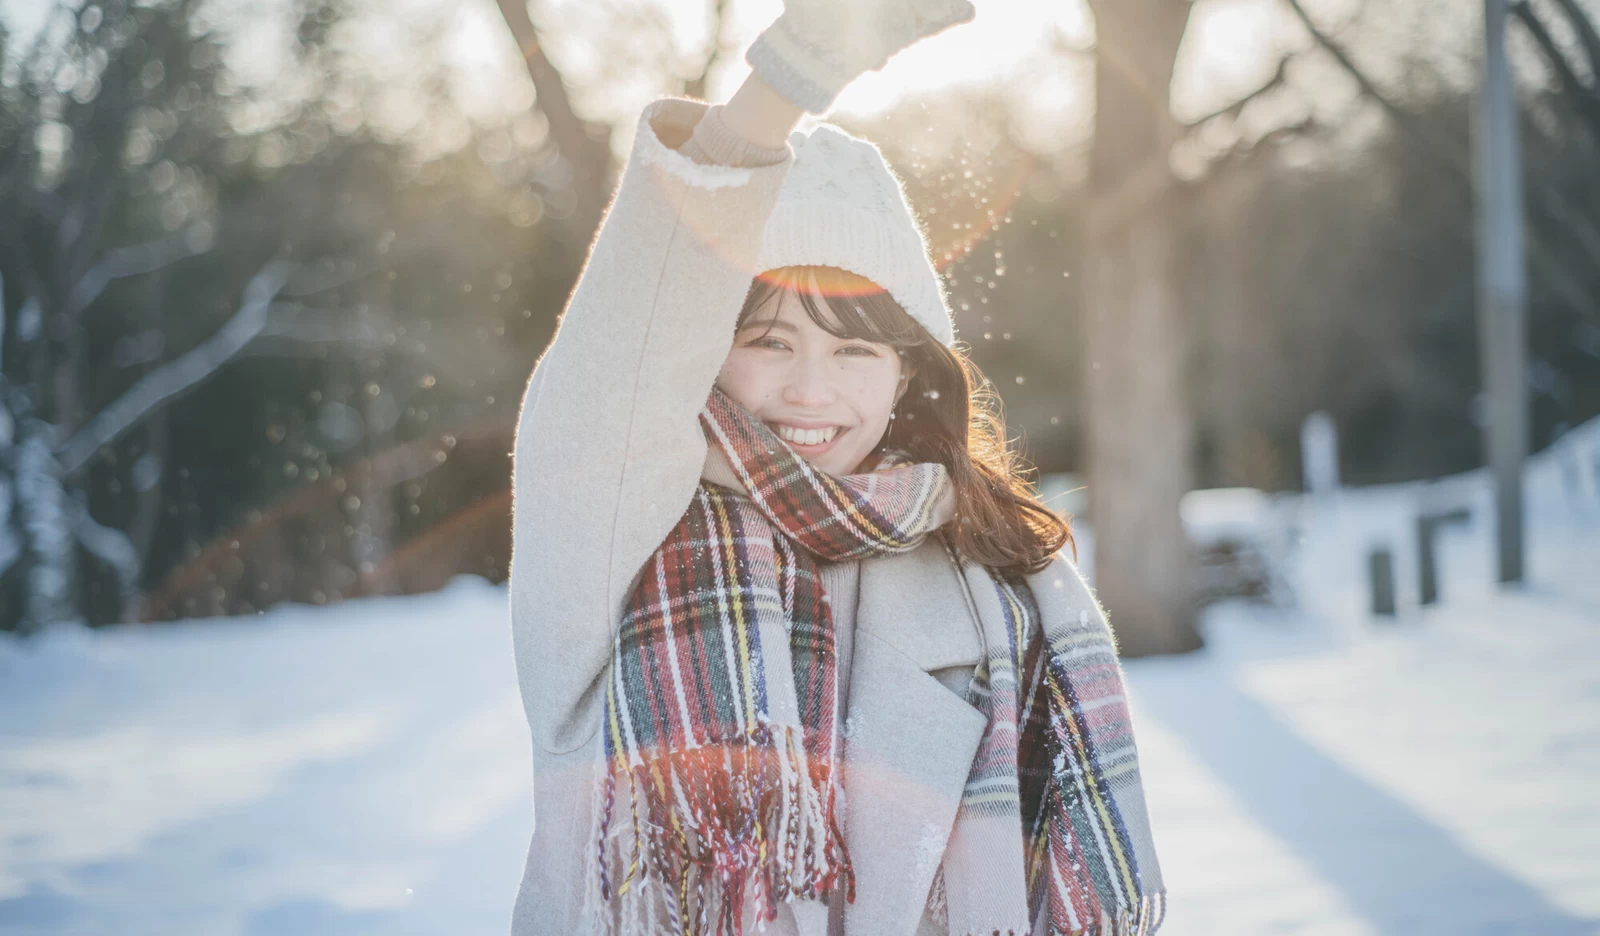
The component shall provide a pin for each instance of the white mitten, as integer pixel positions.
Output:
(817, 47)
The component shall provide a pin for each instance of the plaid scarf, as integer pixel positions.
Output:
(710, 803)
(1058, 754)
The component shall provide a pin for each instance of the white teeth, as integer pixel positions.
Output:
(806, 436)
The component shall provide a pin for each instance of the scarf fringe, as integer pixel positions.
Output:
(938, 907)
(686, 837)
(1140, 920)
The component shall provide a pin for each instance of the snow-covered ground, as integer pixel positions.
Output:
(364, 769)
(1327, 772)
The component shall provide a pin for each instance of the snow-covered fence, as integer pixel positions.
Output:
(1241, 538)
(1380, 581)
(1578, 454)
(1428, 526)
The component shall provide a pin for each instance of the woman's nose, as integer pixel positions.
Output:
(809, 383)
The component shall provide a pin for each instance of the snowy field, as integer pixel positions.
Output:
(364, 769)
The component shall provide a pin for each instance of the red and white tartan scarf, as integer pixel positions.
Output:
(1052, 836)
(710, 803)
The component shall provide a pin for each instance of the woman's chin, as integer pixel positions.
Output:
(827, 462)
(837, 463)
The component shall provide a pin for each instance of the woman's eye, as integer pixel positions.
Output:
(767, 341)
(858, 351)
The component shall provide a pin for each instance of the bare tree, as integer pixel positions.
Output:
(63, 204)
(1139, 430)
(585, 147)
(1548, 254)
(75, 249)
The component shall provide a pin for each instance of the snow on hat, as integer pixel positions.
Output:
(842, 206)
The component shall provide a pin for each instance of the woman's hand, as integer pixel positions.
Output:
(817, 47)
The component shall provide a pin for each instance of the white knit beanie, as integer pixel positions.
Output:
(842, 206)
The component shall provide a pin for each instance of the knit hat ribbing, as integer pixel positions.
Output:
(842, 206)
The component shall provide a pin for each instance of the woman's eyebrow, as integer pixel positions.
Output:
(779, 324)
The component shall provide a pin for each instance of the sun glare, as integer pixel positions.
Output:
(1226, 52)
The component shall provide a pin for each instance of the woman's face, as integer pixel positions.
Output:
(829, 398)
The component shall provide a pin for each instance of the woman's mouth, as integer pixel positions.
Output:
(808, 441)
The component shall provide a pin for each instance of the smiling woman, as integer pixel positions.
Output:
(826, 384)
(693, 640)
(839, 370)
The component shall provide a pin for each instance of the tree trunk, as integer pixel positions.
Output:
(53, 570)
(585, 147)
(1139, 429)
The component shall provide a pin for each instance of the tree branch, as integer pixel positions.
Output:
(305, 332)
(1439, 149)
(178, 375)
(1569, 286)
(1586, 101)
(589, 157)
(112, 547)
(138, 259)
(1588, 37)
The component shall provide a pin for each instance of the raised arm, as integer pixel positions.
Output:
(608, 447)
(758, 114)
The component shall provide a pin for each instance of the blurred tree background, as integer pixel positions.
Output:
(263, 339)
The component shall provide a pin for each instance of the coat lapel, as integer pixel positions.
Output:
(909, 741)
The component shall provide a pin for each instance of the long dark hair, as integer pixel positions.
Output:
(949, 414)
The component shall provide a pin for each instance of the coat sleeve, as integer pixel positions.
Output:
(608, 444)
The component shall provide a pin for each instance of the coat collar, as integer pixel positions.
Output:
(909, 740)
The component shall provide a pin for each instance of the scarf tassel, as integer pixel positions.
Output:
(748, 817)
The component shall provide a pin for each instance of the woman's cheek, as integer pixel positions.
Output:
(739, 380)
(875, 394)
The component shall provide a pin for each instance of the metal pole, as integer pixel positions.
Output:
(1502, 289)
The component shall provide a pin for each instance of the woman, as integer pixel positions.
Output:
(795, 642)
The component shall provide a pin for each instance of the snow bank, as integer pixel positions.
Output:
(363, 769)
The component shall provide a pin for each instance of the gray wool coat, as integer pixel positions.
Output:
(608, 454)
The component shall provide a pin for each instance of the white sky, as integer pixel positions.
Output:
(1230, 47)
